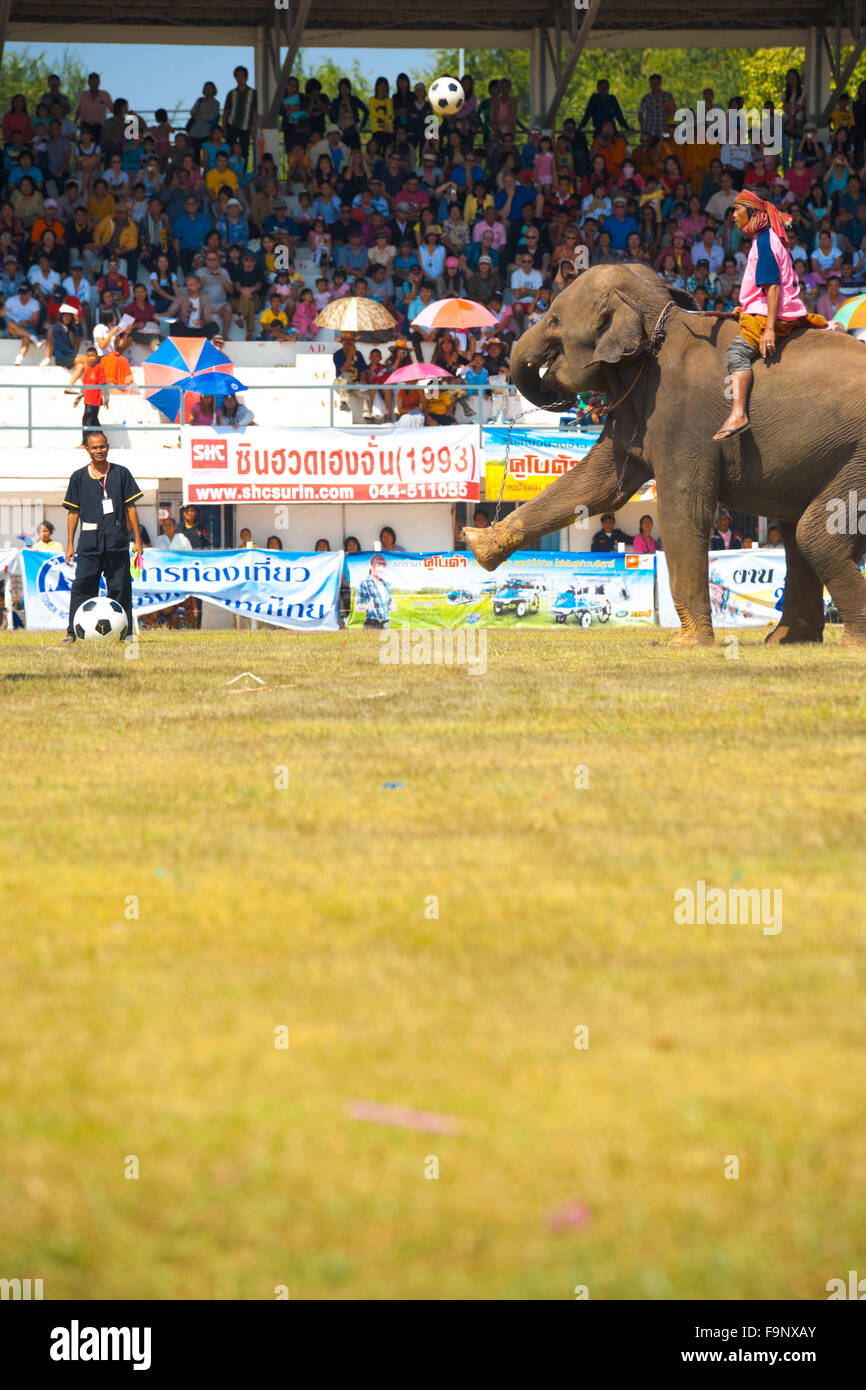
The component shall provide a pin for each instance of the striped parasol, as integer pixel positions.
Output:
(852, 313)
(182, 365)
(454, 313)
(351, 315)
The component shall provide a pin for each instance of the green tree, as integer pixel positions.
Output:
(329, 74)
(756, 74)
(28, 73)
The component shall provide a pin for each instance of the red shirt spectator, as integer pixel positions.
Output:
(17, 122)
(94, 376)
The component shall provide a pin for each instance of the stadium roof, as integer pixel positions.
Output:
(615, 15)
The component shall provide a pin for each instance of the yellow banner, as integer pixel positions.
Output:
(521, 489)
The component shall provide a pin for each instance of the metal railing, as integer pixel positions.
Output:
(492, 405)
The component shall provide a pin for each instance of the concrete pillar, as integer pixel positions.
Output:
(817, 75)
(263, 81)
(542, 76)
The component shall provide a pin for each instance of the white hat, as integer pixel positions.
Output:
(67, 309)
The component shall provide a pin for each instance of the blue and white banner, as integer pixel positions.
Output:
(746, 588)
(282, 587)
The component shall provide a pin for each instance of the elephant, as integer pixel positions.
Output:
(804, 455)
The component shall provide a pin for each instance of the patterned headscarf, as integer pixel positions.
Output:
(763, 215)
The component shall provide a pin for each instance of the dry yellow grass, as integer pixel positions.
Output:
(305, 907)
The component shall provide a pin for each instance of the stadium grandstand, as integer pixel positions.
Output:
(242, 220)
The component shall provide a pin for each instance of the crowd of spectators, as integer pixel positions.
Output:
(110, 223)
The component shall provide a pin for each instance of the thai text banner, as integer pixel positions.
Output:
(331, 465)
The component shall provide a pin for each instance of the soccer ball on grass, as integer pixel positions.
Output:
(99, 620)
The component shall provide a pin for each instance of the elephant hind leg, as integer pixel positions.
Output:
(829, 537)
(598, 482)
(802, 617)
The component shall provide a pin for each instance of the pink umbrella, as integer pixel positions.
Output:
(454, 313)
(415, 371)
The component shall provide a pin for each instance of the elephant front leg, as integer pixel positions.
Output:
(685, 524)
(599, 482)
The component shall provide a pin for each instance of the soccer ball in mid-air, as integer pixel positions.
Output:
(99, 620)
(446, 96)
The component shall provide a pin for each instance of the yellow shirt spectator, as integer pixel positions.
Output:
(219, 178)
(381, 114)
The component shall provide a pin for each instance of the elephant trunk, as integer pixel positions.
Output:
(529, 356)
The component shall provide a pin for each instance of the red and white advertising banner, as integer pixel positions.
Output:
(434, 464)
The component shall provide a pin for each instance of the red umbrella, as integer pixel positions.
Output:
(415, 371)
(454, 313)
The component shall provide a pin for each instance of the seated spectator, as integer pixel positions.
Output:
(610, 536)
(832, 300)
(231, 413)
(45, 281)
(170, 537)
(232, 226)
(274, 321)
(723, 538)
(496, 358)
(353, 255)
(504, 327)
(451, 284)
(25, 317)
(162, 285)
(475, 373)
(248, 286)
(27, 202)
(146, 321)
(66, 342)
(46, 543)
(826, 256)
(644, 541)
(349, 363)
(202, 411)
(388, 540)
(193, 311)
(484, 283)
(525, 282)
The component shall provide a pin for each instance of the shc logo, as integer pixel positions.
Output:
(210, 453)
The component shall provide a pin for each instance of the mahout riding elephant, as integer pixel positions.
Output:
(803, 457)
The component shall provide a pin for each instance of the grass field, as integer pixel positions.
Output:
(262, 906)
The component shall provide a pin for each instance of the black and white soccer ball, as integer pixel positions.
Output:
(100, 620)
(446, 96)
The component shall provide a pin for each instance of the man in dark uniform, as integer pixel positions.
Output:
(101, 496)
(199, 539)
(610, 536)
(195, 533)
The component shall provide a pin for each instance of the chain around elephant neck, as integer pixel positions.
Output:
(656, 339)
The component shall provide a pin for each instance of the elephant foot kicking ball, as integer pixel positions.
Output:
(795, 463)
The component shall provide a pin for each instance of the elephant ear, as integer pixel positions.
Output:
(621, 329)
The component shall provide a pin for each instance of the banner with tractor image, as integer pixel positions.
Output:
(533, 589)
